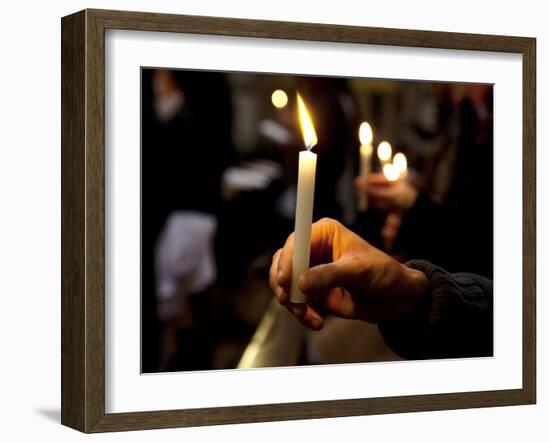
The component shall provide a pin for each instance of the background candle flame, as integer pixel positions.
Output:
(365, 133)
(390, 172)
(400, 163)
(306, 124)
(384, 151)
(279, 98)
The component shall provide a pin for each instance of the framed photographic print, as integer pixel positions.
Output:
(267, 220)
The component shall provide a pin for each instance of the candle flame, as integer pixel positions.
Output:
(384, 151)
(365, 133)
(400, 163)
(390, 172)
(308, 129)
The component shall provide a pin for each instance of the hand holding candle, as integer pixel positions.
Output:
(304, 203)
(348, 278)
(390, 190)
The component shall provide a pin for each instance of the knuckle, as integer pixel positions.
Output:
(329, 222)
(358, 265)
(326, 220)
(290, 238)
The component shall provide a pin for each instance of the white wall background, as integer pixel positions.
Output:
(30, 216)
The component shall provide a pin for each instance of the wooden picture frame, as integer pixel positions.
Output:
(83, 220)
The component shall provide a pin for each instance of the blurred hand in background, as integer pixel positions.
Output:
(399, 195)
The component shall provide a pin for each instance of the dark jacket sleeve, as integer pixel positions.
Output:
(455, 321)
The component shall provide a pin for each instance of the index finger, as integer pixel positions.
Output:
(273, 282)
(322, 233)
(306, 315)
(284, 268)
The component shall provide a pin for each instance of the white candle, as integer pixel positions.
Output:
(365, 161)
(304, 204)
(302, 227)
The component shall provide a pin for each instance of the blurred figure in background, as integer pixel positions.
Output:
(186, 145)
(334, 112)
(323, 96)
(446, 210)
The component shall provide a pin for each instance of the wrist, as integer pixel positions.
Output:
(416, 284)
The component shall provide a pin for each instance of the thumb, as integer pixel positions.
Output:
(323, 278)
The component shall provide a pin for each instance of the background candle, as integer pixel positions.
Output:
(365, 161)
(304, 203)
